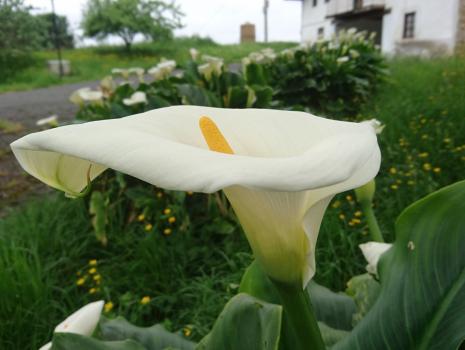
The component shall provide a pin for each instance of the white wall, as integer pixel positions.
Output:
(435, 20)
(314, 18)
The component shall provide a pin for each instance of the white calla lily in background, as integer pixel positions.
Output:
(136, 98)
(285, 169)
(372, 251)
(83, 321)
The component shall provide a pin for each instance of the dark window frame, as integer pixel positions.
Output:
(315, 3)
(321, 33)
(409, 25)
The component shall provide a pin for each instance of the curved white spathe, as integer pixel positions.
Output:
(83, 321)
(286, 168)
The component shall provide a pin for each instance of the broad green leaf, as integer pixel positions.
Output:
(330, 335)
(422, 300)
(71, 341)
(246, 323)
(334, 309)
(152, 338)
(364, 289)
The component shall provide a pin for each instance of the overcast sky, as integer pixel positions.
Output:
(219, 19)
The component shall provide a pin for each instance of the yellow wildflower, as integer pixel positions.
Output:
(80, 281)
(394, 187)
(92, 270)
(141, 217)
(427, 166)
(190, 193)
(108, 306)
(410, 182)
(171, 219)
(423, 155)
(148, 227)
(342, 216)
(358, 213)
(349, 198)
(393, 171)
(93, 262)
(336, 204)
(159, 194)
(92, 290)
(424, 136)
(187, 331)
(437, 170)
(97, 278)
(167, 231)
(145, 300)
(167, 211)
(447, 140)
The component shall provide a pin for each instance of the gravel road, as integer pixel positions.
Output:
(27, 107)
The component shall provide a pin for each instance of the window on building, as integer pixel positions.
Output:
(409, 25)
(326, 0)
(315, 2)
(321, 33)
(358, 4)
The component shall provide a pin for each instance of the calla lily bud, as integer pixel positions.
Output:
(372, 251)
(81, 322)
(366, 192)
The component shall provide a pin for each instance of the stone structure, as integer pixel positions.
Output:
(247, 33)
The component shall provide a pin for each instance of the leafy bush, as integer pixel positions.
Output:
(333, 78)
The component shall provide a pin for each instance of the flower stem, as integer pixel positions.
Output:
(299, 311)
(375, 231)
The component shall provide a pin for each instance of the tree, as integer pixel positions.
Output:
(19, 35)
(155, 19)
(48, 40)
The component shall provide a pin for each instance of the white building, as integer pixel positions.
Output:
(421, 27)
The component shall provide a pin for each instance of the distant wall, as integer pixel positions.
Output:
(435, 27)
(314, 18)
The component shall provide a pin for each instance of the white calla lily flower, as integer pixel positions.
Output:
(136, 98)
(120, 71)
(372, 251)
(194, 53)
(51, 121)
(86, 94)
(83, 321)
(284, 170)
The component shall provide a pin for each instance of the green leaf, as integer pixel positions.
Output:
(334, 309)
(152, 338)
(422, 300)
(255, 74)
(330, 335)
(364, 289)
(263, 95)
(71, 341)
(245, 323)
(237, 97)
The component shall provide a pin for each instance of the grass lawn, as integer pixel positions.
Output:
(95, 63)
(46, 246)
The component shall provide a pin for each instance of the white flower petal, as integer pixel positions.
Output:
(275, 150)
(83, 321)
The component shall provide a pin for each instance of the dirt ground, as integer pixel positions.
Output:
(21, 110)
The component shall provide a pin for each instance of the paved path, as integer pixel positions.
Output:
(27, 107)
